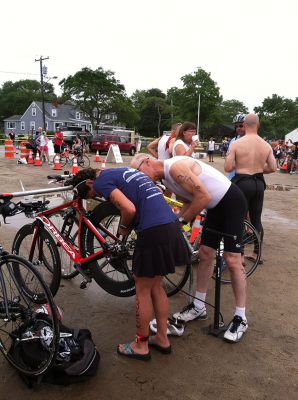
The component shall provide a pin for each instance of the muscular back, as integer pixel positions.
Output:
(251, 154)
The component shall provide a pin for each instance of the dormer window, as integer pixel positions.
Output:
(78, 115)
(33, 112)
(54, 112)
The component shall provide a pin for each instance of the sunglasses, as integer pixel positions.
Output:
(239, 126)
(147, 158)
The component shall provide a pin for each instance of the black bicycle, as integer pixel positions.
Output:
(22, 319)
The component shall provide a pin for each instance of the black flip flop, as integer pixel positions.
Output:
(130, 353)
(161, 349)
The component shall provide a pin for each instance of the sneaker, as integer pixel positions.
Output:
(190, 313)
(174, 328)
(236, 329)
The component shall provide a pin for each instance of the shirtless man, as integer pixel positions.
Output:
(201, 186)
(251, 157)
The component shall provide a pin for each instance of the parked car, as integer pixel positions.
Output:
(102, 141)
(70, 132)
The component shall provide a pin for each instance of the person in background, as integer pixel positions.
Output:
(278, 152)
(238, 122)
(251, 157)
(211, 148)
(159, 247)
(77, 144)
(294, 155)
(42, 142)
(160, 147)
(12, 136)
(58, 141)
(186, 140)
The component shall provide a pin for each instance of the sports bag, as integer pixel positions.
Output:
(76, 360)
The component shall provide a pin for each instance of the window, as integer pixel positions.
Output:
(32, 125)
(54, 112)
(78, 115)
(11, 125)
(33, 112)
(22, 125)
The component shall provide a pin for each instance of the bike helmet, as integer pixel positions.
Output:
(238, 118)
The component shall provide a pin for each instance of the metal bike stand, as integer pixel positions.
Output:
(218, 326)
(190, 285)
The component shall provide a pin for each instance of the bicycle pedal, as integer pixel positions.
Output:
(83, 284)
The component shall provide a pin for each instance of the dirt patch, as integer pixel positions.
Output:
(263, 366)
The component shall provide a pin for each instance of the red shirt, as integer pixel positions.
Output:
(58, 138)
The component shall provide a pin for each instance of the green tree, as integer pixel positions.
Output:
(97, 93)
(229, 108)
(186, 99)
(15, 97)
(154, 111)
(278, 115)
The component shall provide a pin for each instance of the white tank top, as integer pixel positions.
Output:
(176, 143)
(162, 152)
(214, 181)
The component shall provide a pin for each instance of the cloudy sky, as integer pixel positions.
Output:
(249, 47)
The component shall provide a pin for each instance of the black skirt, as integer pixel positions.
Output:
(159, 250)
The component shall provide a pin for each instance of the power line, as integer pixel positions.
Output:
(17, 73)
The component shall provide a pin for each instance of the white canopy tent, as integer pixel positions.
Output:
(292, 135)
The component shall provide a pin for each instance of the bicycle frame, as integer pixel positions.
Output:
(74, 254)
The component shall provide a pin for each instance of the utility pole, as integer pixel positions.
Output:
(41, 59)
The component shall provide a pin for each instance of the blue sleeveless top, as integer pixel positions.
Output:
(151, 207)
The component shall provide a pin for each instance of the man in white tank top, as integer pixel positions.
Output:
(201, 186)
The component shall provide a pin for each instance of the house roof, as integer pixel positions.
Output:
(13, 118)
(66, 112)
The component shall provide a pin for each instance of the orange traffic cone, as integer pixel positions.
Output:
(284, 167)
(196, 228)
(75, 168)
(103, 165)
(37, 160)
(57, 165)
(97, 158)
(30, 158)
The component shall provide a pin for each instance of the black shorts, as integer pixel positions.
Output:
(228, 218)
(210, 152)
(57, 149)
(158, 250)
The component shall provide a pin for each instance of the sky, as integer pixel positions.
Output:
(249, 47)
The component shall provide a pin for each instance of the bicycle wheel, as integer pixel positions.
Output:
(111, 273)
(83, 161)
(20, 322)
(45, 256)
(67, 224)
(251, 244)
(173, 283)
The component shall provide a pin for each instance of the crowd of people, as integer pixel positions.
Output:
(160, 246)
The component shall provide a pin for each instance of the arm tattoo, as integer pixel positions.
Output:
(188, 179)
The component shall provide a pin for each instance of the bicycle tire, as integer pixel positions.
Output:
(22, 307)
(50, 259)
(251, 242)
(83, 161)
(67, 225)
(109, 272)
(109, 215)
